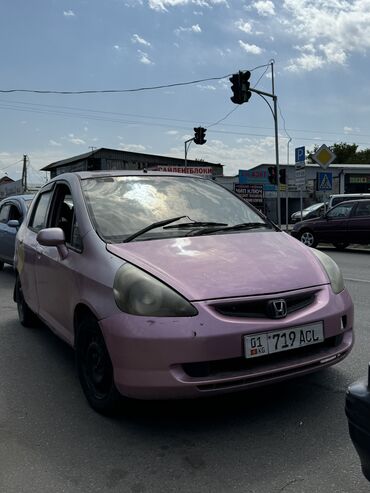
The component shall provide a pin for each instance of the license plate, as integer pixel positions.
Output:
(283, 340)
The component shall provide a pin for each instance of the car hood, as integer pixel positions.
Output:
(226, 265)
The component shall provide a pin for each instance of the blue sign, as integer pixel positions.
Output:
(325, 181)
(300, 154)
(256, 177)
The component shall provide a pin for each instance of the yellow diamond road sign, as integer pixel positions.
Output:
(324, 156)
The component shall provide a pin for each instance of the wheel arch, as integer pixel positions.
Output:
(81, 312)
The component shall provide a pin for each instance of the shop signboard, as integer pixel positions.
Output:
(252, 193)
(205, 171)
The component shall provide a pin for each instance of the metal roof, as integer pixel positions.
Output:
(86, 155)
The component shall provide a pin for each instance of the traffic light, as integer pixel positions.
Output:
(282, 176)
(199, 135)
(240, 86)
(245, 85)
(272, 175)
(236, 88)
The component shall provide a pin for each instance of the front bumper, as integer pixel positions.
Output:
(161, 358)
(358, 414)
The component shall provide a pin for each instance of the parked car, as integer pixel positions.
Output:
(336, 199)
(12, 212)
(358, 415)
(169, 286)
(346, 223)
(314, 210)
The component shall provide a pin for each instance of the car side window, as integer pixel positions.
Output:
(4, 213)
(15, 213)
(40, 212)
(340, 211)
(363, 209)
(63, 216)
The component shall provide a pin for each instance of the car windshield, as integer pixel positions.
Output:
(122, 206)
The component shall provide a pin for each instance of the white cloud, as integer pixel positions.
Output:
(306, 63)
(54, 143)
(117, 47)
(132, 147)
(76, 141)
(172, 132)
(253, 49)
(330, 29)
(163, 5)
(244, 26)
(265, 7)
(195, 29)
(137, 39)
(69, 13)
(207, 87)
(144, 58)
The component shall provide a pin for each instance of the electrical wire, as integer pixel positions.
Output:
(10, 165)
(115, 91)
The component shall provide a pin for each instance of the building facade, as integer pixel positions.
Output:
(114, 159)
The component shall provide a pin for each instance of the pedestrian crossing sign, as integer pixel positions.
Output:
(325, 181)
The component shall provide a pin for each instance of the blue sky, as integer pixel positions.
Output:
(320, 48)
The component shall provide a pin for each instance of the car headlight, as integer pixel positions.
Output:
(332, 270)
(138, 293)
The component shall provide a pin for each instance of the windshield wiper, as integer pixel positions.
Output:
(236, 227)
(155, 225)
(194, 224)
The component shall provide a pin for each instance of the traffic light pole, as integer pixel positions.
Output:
(189, 141)
(274, 114)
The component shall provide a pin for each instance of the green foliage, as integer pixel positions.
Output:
(346, 154)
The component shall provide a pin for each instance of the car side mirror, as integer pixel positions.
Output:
(13, 223)
(53, 237)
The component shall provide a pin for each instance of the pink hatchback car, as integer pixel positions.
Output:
(169, 286)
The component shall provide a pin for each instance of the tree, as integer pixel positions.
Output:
(346, 154)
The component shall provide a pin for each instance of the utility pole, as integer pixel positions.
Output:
(24, 173)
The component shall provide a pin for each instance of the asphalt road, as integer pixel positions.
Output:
(291, 437)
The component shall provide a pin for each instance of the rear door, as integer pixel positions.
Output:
(334, 228)
(359, 223)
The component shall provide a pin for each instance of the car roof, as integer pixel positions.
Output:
(352, 202)
(18, 197)
(83, 175)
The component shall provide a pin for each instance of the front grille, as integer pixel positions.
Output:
(258, 308)
(221, 368)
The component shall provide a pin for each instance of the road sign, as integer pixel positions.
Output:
(325, 181)
(300, 154)
(300, 178)
(324, 156)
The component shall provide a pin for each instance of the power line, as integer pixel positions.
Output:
(88, 110)
(115, 91)
(10, 165)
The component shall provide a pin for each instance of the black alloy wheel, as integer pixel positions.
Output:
(341, 246)
(95, 368)
(307, 237)
(26, 316)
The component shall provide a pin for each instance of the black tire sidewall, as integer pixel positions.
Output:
(107, 405)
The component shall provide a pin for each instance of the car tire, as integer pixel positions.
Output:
(95, 369)
(308, 238)
(1, 265)
(26, 316)
(341, 246)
